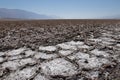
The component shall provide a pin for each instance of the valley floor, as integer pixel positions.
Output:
(90, 56)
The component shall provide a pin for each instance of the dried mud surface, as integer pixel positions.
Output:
(60, 50)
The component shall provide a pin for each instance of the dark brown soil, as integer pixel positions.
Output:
(14, 34)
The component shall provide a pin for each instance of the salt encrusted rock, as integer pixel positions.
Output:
(86, 61)
(20, 61)
(73, 43)
(1, 59)
(118, 45)
(84, 46)
(65, 52)
(41, 55)
(58, 67)
(2, 53)
(12, 65)
(95, 40)
(91, 63)
(40, 77)
(15, 57)
(99, 53)
(107, 39)
(93, 75)
(24, 74)
(29, 53)
(27, 61)
(15, 52)
(47, 48)
(79, 55)
(67, 46)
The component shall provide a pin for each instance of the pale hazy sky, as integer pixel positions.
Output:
(67, 8)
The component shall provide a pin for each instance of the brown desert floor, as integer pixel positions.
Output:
(60, 50)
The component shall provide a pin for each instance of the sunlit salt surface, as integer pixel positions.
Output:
(67, 46)
(58, 67)
(15, 52)
(99, 53)
(65, 52)
(64, 59)
(47, 48)
(41, 55)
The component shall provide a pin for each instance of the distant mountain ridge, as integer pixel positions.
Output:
(21, 14)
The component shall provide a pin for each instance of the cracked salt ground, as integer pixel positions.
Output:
(99, 53)
(48, 48)
(15, 52)
(40, 77)
(65, 52)
(91, 63)
(41, 55)
(22, 74)
(85, 61)
(67, 46)
(65, 60)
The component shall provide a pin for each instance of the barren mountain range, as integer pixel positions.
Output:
(21, 14)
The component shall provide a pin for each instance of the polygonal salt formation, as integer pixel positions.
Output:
(29, 53)
(15, 57)
(41, 55)
(79, 55)
(2, 53)
(67, 46)
(93, 62)
(47, 48)
(73, 43)
(58, 67)
(12, 65)
(107, 39)
(40, 77)
(118, 45)
(99, 53)
(84, 47)
(27, 61)
(24, 74)
(86, 61)
(95, 40)
(15, 52)
(65, 52)
(1, 59)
